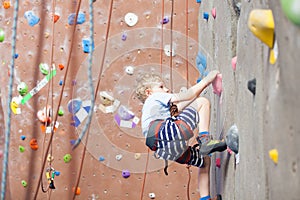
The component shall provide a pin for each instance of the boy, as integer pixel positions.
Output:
(168, 122)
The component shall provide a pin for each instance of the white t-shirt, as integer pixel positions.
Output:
(156, 106)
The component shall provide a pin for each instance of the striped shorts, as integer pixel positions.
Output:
(172, 146)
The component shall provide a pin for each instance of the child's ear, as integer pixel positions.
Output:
(148, 92)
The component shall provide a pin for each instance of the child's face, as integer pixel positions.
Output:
(159, 87)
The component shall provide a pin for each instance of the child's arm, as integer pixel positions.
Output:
(194, 91)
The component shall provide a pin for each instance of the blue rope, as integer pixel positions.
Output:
(8, 122)
(91, 87)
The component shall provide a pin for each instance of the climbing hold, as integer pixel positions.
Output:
(23, 137)
(205, 16)
(60, 111)
(2, 35)
(233, 63)
(87, 45)
(252, 86)
(167, 50)
(152, 195)
(129, 70)
(198, 1)
(61, 82)
(74, 105)
(218, 162)
(77, 192)
(21, 148)
(273, 153)
(273, 53)
(125, 113)
(125, 173)
(291, 9)
(217, 85)
(45, 114)
(6, 4)
(55, 18)
(14, 105)
(201, 65)
(22, 88)
(137, 156)
(232, 139)
(51, 185)
(24, 183)
(119, 157)
(165, 20)
(67, 158)
(50, 158)
(124, 36)
(131, 19)
(16, 55)
(32, 19)
(80, 18)
(33, 144)
(101, 158)
(61, 66)
(214, 13)
(82, 113)
(44, 68)
(57, 173)
(261, 24)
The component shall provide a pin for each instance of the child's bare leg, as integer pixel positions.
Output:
(204, 178)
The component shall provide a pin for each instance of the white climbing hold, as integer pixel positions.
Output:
(167, 50)
(131, 19)
(151, 195)
(129, 70)
(119, 157)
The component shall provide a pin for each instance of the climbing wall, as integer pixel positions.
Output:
(114, 165)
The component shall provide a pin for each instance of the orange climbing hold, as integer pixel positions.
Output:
(61, 66)
(33, 144)
(55, 18)
(6, 4)
(77, 190)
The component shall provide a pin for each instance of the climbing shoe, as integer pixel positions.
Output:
(208, 145)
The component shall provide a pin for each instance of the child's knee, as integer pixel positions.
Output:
(203, 102)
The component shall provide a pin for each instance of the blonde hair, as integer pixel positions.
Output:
(145, 82)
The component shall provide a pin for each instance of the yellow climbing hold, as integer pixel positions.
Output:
(261, 24)
(273, 153)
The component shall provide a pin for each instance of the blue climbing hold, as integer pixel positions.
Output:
(201, 64)
(80, 18)
(74, 105)
(57, 173)
(86, 45)
(23, 137)
(16, 56)
(198, 1)
(101, 158)
(205, 16)
(31, 18)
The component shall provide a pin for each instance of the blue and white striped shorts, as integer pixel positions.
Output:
(171, 144)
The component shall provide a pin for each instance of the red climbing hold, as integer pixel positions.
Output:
(217, 85)
(214, 13)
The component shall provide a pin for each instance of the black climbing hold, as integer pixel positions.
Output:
(252, 86)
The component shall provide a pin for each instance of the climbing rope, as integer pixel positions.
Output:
(91, 85)
(60, 99)
(10, 90)
(145, 175)
(51, 95)
(92, 92)
(162, 34)
(188, 183)
(171, 46)
(187, 41)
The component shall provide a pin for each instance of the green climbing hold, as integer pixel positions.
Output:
(21, 148)
(60, 112)
(22, 88)
(291, 9)
(24, 183)
(2, 35)
(44, 68)
(67, 158)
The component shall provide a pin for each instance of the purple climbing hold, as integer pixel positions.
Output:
(125, 113)
(165, 20)
(125, 173)
(124, 36)
(80, 18)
